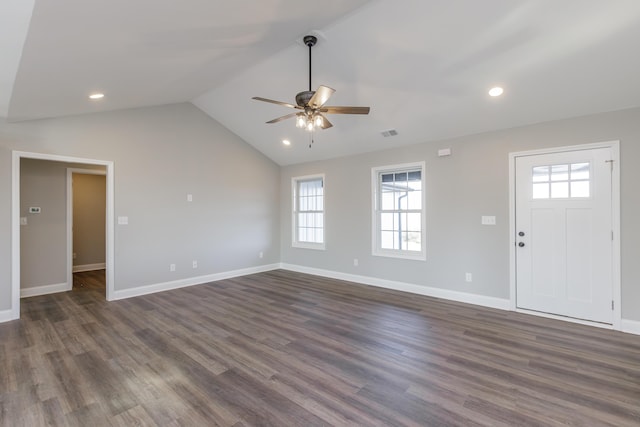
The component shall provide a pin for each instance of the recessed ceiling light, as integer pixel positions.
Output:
(286, 142)
(96, 96)
(496, 91)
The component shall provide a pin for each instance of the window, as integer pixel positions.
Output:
(308, 211)
(398, 211)
(564, 181)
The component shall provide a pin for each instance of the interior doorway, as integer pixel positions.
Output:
(86, 226)
(17, 157)
(565, 256)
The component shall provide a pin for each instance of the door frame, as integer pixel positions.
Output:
(15, 221)
(615, 224)
(70, 172)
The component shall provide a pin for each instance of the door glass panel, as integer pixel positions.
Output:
(559, 190)
(541, 174)
(541, 191)
(580, 189)
(559, 173)
(579, 171)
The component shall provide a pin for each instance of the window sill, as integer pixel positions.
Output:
(420, 256)
(303, 245)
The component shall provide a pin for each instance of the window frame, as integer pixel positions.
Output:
(377, 250)
(295, 242)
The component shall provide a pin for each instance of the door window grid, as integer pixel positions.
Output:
(308, 214)
(562, 181)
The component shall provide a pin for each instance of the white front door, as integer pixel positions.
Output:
(564, 234)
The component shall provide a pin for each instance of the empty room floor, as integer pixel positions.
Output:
(288, 349)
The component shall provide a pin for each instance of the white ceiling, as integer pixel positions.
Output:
(423, 66)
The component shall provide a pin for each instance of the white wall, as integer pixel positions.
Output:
(160, 155)
(474, 181)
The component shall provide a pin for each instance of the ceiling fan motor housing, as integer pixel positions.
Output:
(302, 98)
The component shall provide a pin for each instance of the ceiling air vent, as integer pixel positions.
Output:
(389, 132)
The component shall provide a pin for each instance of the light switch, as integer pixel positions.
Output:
(23, 220)
(123, 220)
(189, 197)
(488, 220)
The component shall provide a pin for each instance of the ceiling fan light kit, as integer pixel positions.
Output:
(311, 103)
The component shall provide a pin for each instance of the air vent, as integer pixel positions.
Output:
(389, 132)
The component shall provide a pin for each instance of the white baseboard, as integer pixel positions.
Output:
(627, 326)
(630, 326)
(89, 267)
(492, 302)
(7, 316)
(191, 281)
(45, 290)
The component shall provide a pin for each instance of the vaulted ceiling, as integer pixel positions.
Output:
(423, 66)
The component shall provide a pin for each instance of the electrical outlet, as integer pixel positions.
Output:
(261, 255)
(75, 255)
(172, 267)
(355, 262)
(194, 263)
(468, 277)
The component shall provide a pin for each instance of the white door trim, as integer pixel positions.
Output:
(615, 212)
(70, 172)
(15, 221)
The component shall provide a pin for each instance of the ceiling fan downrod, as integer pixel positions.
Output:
(310, 41)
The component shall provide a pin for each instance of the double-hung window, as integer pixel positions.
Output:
(398, 211)
(308, 212)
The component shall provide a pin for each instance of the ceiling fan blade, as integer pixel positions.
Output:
(326, 124)
(279, 119)
(345, 110)
(321, 96)
(284, 104)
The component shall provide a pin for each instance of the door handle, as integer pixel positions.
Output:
(521, 244)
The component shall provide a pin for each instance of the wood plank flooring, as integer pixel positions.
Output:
(288, 349)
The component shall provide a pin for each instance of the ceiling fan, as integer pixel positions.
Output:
(311, 103)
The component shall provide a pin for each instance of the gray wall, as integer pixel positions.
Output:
(89, 209)
(242, 200)
(160, 155)
(459, 190)
(43, 241)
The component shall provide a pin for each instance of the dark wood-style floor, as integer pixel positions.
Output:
(288, 349)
